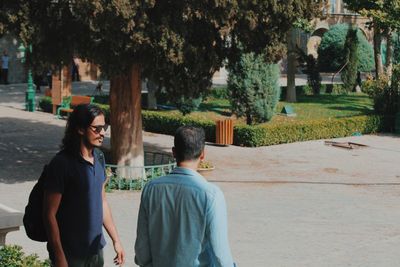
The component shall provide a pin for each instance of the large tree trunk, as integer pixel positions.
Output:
(126, 123)
(291, 66)
(389, 54)
(377, 53)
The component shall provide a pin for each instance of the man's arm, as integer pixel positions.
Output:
(109, 225)
(50, 207)
(218, 232)
(142, 245)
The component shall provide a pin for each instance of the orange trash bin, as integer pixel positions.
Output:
(224, 132)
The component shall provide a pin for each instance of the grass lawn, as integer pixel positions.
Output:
(307, 107)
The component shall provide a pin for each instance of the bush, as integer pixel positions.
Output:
(253, 87)
(219, 92)
(339, 89)
(331, 55)
(158, 122)
(270, 134)
(13, 256)
(46, 104)
(254, 136)
(386, 95)
(101, 99)
(265, 135)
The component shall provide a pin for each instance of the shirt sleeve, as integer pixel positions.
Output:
(218, 232)
(143, 256)
(55, 175)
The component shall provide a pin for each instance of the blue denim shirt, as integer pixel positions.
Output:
(182, 222)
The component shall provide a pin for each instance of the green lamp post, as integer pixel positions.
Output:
(30, 93)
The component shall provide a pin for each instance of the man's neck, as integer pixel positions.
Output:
(87, 153)
(189, 164)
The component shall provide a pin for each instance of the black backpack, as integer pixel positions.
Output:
(33, 217)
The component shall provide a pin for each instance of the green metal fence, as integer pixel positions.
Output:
(134, 178)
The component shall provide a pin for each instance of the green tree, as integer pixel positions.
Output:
(349, 74)
(254, 89)
(177, 44)
(331, 53)
(384, 15)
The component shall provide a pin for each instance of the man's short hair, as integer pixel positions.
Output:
(189, 142)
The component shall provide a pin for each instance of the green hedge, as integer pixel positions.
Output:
(46, 104)
(307, 130)
(267, 134)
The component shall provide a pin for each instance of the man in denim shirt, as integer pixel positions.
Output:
(182, 218)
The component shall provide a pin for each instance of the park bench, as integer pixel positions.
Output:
(71, 101)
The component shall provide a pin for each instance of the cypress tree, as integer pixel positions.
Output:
(349, 74)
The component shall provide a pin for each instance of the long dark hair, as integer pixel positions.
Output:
(81, 118)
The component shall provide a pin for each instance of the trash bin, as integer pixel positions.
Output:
(224, 132)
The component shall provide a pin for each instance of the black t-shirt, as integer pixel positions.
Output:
(80, 215)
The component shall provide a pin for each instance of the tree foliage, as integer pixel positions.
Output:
(384, 14)
(254, 88)
(349, 74)
(331, 53)
(179, 43)
(384, 19)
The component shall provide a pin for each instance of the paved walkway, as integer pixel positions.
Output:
(302, 204)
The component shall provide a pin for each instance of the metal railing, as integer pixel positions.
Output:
(135, 177)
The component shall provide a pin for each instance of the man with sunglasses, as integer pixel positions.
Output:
(75, 205)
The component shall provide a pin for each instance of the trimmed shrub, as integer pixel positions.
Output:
(270, 134)
(265, 135)
(253, 87)
(46, 104)
(101, 99)
(306, 130)
(158, 122)
(331, 54)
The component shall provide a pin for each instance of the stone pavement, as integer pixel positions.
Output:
(301, 204)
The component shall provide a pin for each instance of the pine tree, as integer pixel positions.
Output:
(254, 89)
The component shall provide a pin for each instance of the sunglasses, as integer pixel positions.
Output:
(98, 128)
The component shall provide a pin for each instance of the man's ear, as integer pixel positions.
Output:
(202, 155)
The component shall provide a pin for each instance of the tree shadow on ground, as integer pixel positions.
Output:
(25, 147)
(332, 99)
(355, 108)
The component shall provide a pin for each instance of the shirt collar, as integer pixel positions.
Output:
(186, 171)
